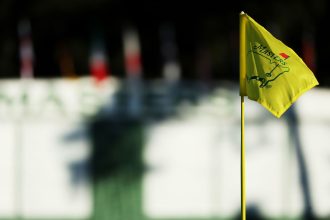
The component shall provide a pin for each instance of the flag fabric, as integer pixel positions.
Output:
(132, 53)
(133, 66)
(25, 49)
(271, 72)
(66, 62)
(309, 50)
(98, 59)
(169, 50)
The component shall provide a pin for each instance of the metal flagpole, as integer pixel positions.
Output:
(242, 93)
(243, 202)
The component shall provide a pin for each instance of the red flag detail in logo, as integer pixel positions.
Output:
(284, 55)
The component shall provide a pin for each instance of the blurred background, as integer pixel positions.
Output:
(130, 110)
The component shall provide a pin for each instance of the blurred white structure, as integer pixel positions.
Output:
(194, 156)
(37, 154)
(195, 159)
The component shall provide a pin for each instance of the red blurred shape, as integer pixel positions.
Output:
(284, 55)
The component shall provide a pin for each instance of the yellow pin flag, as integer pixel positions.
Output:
(271, 73)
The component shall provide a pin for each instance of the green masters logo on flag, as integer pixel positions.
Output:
(271, 73)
